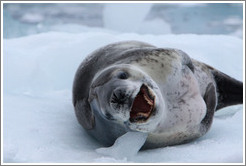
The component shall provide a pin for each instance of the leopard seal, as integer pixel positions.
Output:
(135, 86)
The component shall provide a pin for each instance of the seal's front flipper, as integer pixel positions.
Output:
(210, 100)
(84, 114)
(229, 90)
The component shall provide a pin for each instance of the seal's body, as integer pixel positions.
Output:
(134, 86)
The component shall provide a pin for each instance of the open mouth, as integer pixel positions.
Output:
(143, 105)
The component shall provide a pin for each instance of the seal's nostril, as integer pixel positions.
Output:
(119, 96)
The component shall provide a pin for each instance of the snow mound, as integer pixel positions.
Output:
(39, 124)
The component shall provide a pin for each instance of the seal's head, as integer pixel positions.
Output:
(128, 96)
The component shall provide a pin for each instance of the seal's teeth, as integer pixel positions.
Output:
(149, 101)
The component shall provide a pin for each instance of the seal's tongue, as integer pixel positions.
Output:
(142, 105)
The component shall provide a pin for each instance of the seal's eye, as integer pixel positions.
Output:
(123, 75)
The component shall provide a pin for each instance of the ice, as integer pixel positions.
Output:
(123, 17)
(136, 22)
(233, 21)
(21, 19)
(32, 18)
(188, 4)
(155, 26)
(125, 146)
(39, 123)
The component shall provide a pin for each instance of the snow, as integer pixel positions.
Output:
(39, 123)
